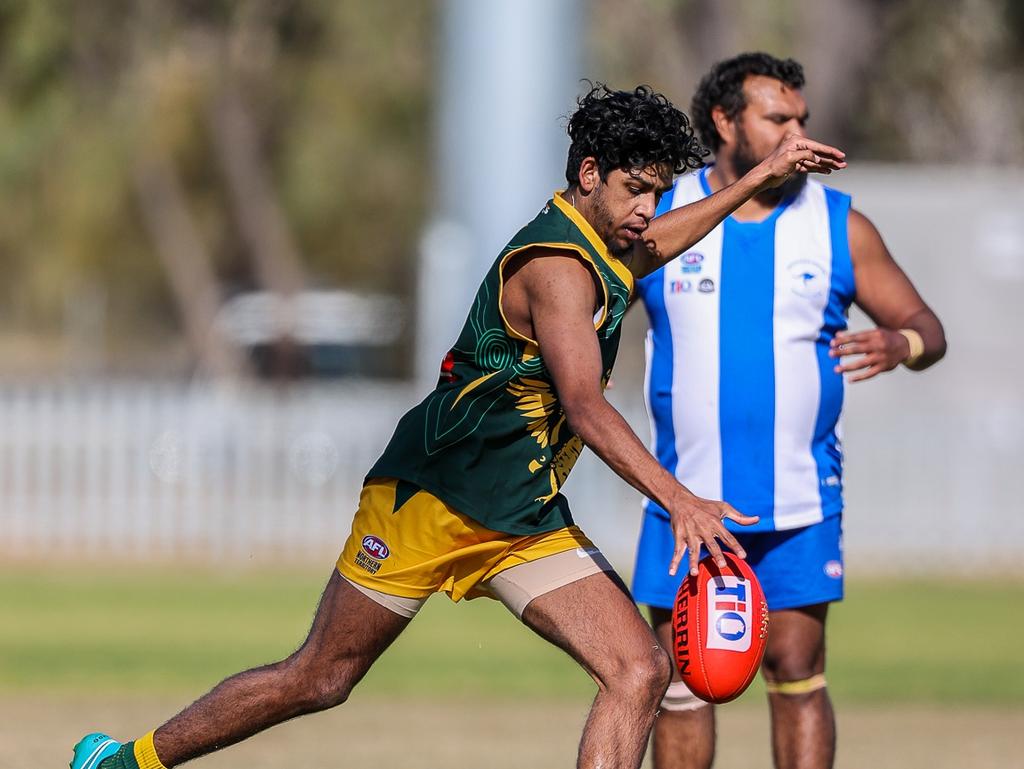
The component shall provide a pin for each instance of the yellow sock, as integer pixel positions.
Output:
(145, 753)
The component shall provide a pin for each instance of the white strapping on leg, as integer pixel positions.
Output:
(680, 698)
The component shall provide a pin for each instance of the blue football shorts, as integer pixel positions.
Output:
(797, 567)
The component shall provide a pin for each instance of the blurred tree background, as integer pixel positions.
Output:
(157, 156)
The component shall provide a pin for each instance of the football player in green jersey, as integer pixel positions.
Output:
(465, 499)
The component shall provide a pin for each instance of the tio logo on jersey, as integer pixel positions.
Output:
(729, 613)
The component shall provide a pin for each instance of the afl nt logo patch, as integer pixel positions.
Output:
(372, 552)
(375, 547)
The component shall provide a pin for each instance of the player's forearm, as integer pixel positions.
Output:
(608, 435)
(927, 324)
(672, 233)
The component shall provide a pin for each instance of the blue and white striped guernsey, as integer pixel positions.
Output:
(743, 399)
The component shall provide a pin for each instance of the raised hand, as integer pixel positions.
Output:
(798, 154)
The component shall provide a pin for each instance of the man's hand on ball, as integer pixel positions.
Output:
(697, 522)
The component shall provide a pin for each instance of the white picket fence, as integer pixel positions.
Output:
(144, 470)
(147, 471)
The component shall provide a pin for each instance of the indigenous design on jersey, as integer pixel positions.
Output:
(744, 402)
(492, 439)
(536, 403)
(454, 414)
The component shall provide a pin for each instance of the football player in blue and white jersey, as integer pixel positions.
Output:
(746, 356)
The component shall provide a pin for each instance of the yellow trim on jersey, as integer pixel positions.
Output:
(429, 547)
(581, 222)
(556, 247)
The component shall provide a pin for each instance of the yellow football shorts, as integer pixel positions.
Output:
(427, 547)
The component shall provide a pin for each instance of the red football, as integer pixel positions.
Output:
(719, 629)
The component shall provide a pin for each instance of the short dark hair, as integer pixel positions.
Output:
(723, 87)
(628, 130)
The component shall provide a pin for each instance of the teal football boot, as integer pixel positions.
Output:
(92, 749)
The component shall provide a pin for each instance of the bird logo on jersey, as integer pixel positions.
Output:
(808, 278)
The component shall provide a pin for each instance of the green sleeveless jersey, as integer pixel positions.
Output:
(491, 439)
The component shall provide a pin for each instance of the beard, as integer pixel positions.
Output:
(604, 225)
(744, 161)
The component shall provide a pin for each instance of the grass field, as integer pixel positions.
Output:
(936, 666)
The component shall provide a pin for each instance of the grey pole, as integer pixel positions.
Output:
(510, 72)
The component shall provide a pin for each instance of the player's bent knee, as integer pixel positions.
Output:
(313, 694)
(679, 699)
(314, 687)
(651, 675)
(640, 677)
(795, 688)
(664, 671)
(328, 693)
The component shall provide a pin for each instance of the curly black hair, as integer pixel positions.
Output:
(723, 87)
(629, 130)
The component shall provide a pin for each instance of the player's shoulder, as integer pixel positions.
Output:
(863, 234)
(838, 200)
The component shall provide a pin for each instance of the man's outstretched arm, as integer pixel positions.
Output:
(672, 233)
(561, 295)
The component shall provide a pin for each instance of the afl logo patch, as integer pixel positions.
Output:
(807, 278)
(375, 547)
(691, 261)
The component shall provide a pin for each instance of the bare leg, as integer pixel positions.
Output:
(803, 725)
(596, 622)
(349, 633)
(683, 739)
